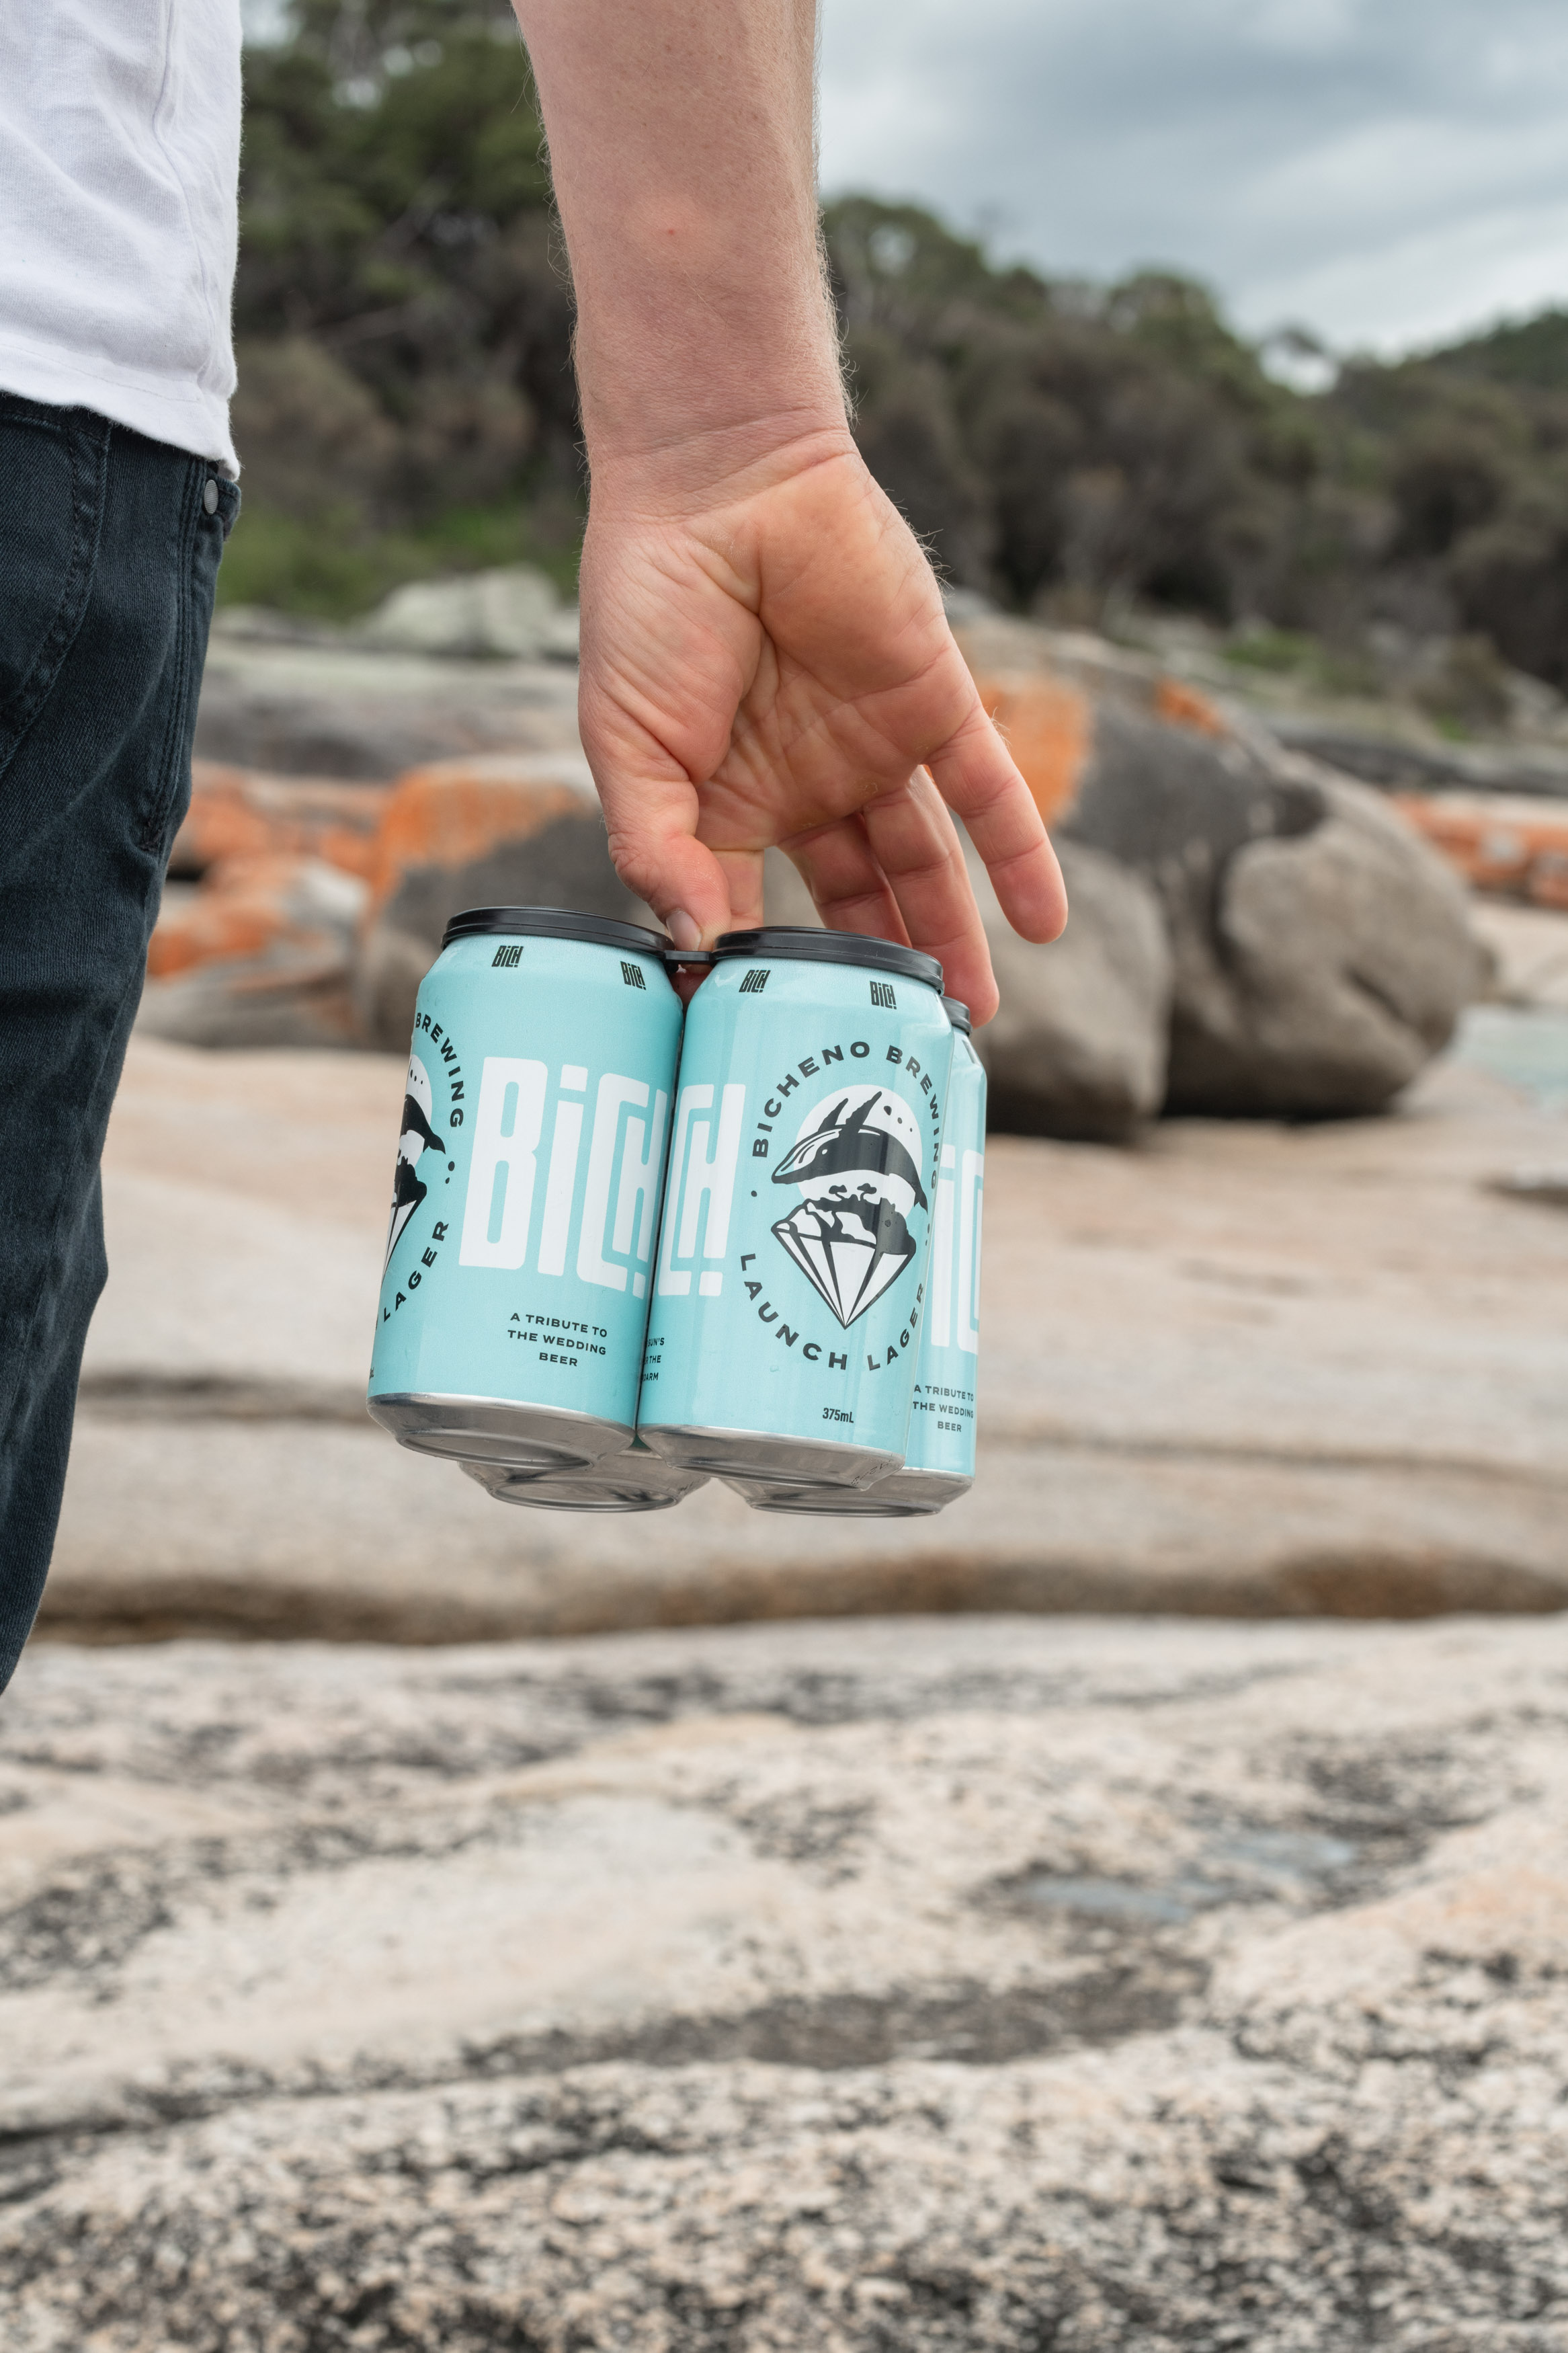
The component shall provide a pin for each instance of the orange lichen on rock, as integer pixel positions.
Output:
(1496, 842)
(243, 812)
(246, 907)
(455, 811)
(1047, 727)
(1181, 705)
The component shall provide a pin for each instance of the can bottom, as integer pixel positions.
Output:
(903, 1495)
(636, 1481)
(498, 1429)
(757, 1454)
(929, 1490)
(588, 1502)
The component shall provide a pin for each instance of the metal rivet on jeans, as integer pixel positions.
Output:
(209, 496)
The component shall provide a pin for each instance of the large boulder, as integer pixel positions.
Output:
(1250, 932)
(1501, 842)
(1320, 952)
(245, 813)
(1339, 961)
(302, 701)
(1081, 1045)
(512, 612)
(260, 954)
(522, 830)
(255, 941)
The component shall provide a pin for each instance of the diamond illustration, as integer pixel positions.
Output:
(851, 1264)
(856, 1163)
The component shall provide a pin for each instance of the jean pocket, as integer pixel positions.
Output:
(52, 471)
(209, 505)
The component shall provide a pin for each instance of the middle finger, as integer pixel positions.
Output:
(848, 886)
(913, 839)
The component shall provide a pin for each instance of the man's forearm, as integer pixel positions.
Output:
(681, 145)
(765, 658)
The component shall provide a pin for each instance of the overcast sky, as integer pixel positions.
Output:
(1387, 172)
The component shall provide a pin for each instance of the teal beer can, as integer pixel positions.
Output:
(793, 1254)
(525, 1205)
(939, 1458)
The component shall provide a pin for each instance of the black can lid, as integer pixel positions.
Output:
(554, 923)
(801, 943)
(957, 1013)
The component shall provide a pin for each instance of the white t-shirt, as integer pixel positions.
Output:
(118, 171)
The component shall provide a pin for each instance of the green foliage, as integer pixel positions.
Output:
(378, 163)
(318, 568)
(1079, 450)
(1529, 351)
(1279, 651)
(329, 567)
(1290, 653)
(1082, 446)
(407, 398)
(405, 322)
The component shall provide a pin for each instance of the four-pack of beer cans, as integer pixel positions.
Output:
(632, 1248)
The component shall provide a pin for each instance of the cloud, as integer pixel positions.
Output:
(1387, 171)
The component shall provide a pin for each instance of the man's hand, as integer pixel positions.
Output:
(765, 658)
(766, 662)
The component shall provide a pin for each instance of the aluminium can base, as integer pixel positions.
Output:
(824, 1502)
(903, 1495)
(551, 1495)
(497, 1430)
(731, 1454)
(618, 1486)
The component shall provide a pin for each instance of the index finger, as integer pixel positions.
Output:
(652, 810)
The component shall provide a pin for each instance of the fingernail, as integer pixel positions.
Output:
(682, 930)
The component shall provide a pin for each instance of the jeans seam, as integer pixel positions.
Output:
(153, 816)
(48, 1289)
(87, 485)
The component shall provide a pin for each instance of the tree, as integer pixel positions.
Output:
(397, 267)
(407, 401)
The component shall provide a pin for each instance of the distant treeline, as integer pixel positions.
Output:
(407, 398)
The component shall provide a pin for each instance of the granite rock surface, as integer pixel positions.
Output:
(986, 1984)
(1250, 933)
(1081, 1046)
(1243, 1368)
(511, 614)
(1318, 952)
(327, 709)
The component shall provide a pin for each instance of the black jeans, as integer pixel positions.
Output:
(109, 556)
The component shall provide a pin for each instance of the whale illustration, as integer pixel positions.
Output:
(846, 1143)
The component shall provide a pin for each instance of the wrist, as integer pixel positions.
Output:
(698, 357)
(668, 464)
